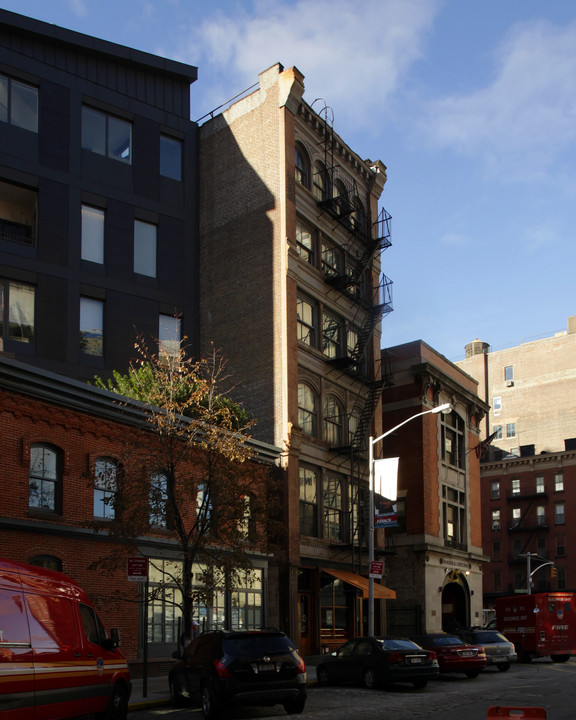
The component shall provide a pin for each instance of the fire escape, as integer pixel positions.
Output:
(365, 240)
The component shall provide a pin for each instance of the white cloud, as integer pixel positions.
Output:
(78, 7)
(352, 55)
(525, 120)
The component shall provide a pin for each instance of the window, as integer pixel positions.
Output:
(302, 166)
(516, 516)
(453, 440)
(497, 405)
(166, 598)
(558, 482)
(170, 157)
(509, 373)
(169, 337)
(107, 135)
(306, 318)
(340, 197)
(308, 502)
(332, 421)
(44, 478)
(320, 182)
(560, 546)
(561, 579)
(304, 243)
(158, 498)
(540, 483)
(559, 518)
(246, 602)
(516, 486)
(454, 515)
(46, 561)
(204, 508)
(497, 580)
(510, 430)
(541, 515)
(246, 522)
(496, 547)
(332, 502)
(17, 301)
(498, 430)
(18, 210)
(495, 489)
(105, 487)
(541, 545)
(91, 326)
(358, 216)
(331, 259)
(92, 234)
(332, 331)
(18, 104)
(495, 519)
(144, 248)
(307, 410)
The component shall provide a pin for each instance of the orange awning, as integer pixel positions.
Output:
(380, 591)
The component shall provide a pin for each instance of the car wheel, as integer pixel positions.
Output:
(369, 679)
(118, 705)
(420, 684)
(295, 707)
(472, 674)
(210, 706)
(503, 666)
(176, 698)
(322, 676)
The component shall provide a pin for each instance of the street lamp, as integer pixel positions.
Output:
(445, 408)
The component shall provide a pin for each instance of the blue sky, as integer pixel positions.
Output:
(471, 104)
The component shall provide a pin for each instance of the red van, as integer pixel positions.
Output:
(56, 659)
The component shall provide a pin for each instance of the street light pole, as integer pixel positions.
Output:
(446, 408)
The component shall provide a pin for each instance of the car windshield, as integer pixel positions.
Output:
(253, 645)
(489, 637)
(397, 644)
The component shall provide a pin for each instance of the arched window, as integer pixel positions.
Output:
(358, 215)
(158, 499)
(302, 166)
(46, 561)
(105, 487)
(332, 421)
(340, 196)
(307, 409)
(320, 182)
(45, 477)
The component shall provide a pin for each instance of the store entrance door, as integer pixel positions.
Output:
(305, 623)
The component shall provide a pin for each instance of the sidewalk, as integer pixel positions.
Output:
(157, 692)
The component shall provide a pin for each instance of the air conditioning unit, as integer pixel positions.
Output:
(509, 383)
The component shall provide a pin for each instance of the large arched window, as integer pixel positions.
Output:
(105, 487)
(340, 196)
(320, 182)
(302, 166)
(307, 410)
(45, 478)
(332, 421)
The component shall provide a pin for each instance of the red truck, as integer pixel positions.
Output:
(539, 624)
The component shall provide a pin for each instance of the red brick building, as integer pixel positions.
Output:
(54, 434)
(527, 506)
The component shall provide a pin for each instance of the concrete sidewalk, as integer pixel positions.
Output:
(157, 692)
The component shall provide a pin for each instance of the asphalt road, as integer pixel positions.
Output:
(453, 697)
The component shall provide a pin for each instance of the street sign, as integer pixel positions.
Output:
(137, 569)
(376, 568)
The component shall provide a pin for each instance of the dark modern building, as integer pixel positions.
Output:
(98, 199)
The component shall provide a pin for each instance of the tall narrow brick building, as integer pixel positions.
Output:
(291, 235)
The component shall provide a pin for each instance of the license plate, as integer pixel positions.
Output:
(499, 658)
(416, 660)
(267, 667)
(467, 653)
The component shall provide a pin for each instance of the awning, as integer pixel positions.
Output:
(380, 591)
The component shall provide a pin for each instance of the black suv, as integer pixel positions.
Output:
(221, 668)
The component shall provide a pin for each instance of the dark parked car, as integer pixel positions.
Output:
(454, 655)
(378, 661)
(224, 668)
(499, 651)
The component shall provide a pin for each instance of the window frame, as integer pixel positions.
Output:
(145, 246)
(105, 487)
(103, 144)
(333, 420)
(167, 162)
(46, 477)
(301, 166)
(307, 328)
(88, 308)
(9, 82)
(9, 310)
(308, 477)
(308, 413)
(169, 336)
(93, 232)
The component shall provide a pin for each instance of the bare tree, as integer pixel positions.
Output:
(191, 473)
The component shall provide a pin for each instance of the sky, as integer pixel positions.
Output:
(471, 105)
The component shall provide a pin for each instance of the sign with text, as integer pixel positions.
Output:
(137, 569)
(376, 568)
